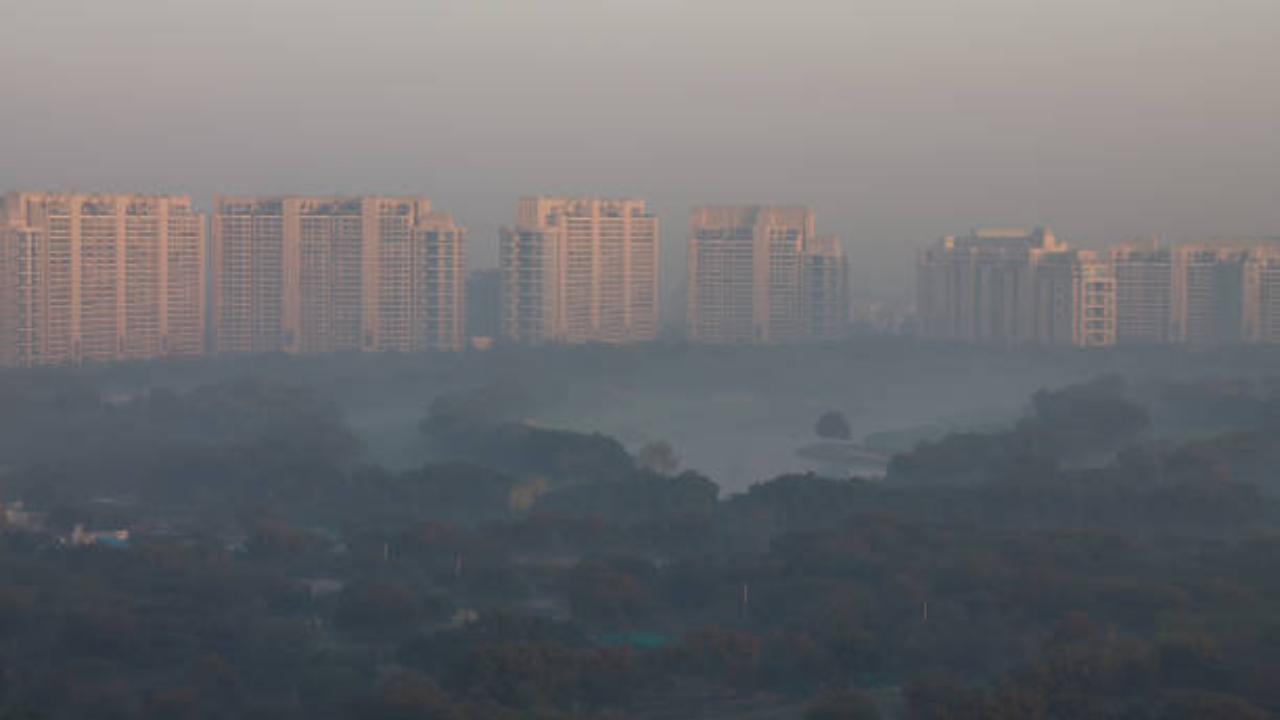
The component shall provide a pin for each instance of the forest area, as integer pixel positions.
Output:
(231, 549)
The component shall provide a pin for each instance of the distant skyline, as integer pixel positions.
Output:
(897, 121)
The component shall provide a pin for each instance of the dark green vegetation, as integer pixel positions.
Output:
(1111, 555)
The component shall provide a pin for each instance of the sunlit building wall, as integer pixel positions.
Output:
(824, 287)
(1212, 304)
(1265, 269)
(1095, 301)
(101, 278)
(1144, 293)
(745, 273)
(1014, 288)
(326, 274)
(579, 270)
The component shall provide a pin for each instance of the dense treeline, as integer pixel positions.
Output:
(1111, 556)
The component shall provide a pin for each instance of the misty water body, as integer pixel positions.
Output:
(740, 415)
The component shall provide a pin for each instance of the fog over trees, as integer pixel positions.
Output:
(238, 539)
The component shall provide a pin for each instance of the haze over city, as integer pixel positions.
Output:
(898, 121)
(639, 359)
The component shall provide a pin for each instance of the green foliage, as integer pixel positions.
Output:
(658, 457)
(1072, 568)
(638, 497)
(843, 705)
(833, 426)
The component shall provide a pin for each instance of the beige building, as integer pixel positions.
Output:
(100, 277)
(1226, 292)
(1015, 288)
(579, 270)
(1144, 293)
(8, 298)
(1211, 304)
(326, 274)
(1094, 301)
(1264, 282)
(759, 274)
(824, 287)
(979, 288)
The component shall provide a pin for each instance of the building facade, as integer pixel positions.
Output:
(1212, 304)
(100, 278)
(1015, 288)
(327, 274)
(579, 270)
(1095, 301)
(1226, 292)
(758, 274)
(1144, 293)
(824, 286)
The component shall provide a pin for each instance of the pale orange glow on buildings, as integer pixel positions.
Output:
(759, 274)
(578, 270)
(324, 274)
(100, 277)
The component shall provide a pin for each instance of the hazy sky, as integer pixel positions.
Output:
(898, 120)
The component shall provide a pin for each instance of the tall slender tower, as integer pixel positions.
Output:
(580, 269)
(325, 274)
(100, 277)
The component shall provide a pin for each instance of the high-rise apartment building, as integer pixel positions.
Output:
(580, 269)
(1144, 293)
(8, 299)
(1094, 301)
(824, 286)
(325, 274)
(1015, 288)
(1264, 280)
(1211, 303)
(979, 288)
(100, 277)
(759, 274)
(1047, 316)
(1226, 292)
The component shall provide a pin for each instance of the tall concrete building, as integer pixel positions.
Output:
(1226, 291)
(325, 274)
(1211, 303)
(1264, 280)
(1094, 301)
(1014, 288)
(100, 277)
(1144, 293)
(1047, 317)
(8, 298)
(824, 284)
(580, 269)
(759, 274)
(979, 288)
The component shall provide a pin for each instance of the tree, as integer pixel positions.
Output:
(843, 705)
(659, 457)
(833, 426)
(1210, 706)
(377, 605)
